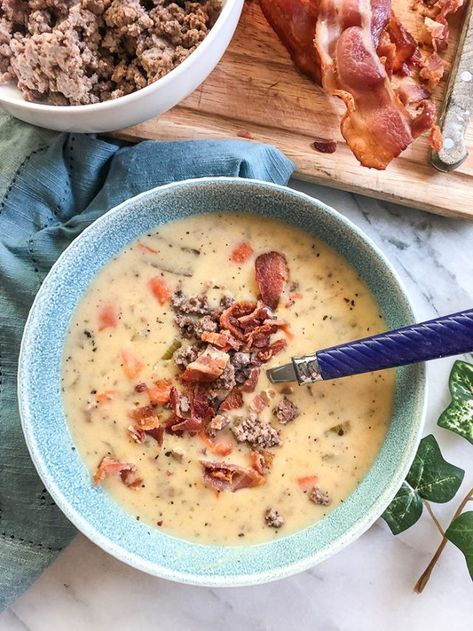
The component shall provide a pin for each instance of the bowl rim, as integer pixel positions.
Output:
(129, 99)
(309, 560)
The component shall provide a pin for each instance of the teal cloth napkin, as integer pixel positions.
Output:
(52, 186)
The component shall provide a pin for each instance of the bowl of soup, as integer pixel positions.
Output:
(144, 396)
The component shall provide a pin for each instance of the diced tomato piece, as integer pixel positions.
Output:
(107, 317)
(241, 253)
(161, 391)
(146, 248)
(160, 290)
(104, 397)
(220, 445)
(261, 460)
(307, 482)
(132, 366)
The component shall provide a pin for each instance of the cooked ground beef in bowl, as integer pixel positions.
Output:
(77, 52)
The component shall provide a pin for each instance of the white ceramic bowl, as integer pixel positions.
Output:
(138, 106)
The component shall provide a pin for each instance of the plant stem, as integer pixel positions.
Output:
(434, 518)
(423, 580)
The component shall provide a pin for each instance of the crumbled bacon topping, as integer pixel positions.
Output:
(219, 422)
(230, 477)
(111, 466)
(232, 401)
(261, 460)
(208, 366)
(272, 273)
(228, 345)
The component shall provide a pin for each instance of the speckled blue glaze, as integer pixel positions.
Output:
(91, 509)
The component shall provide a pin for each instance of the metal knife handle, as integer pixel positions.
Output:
(458, 103)
(442, 337)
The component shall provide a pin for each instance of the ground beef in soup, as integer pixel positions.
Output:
(286, 411)
(273, 519)
(186, 355)
(206, 323)
(319, 497)
(256, 432)
(76, 52)
(186, 325)
(195, 305)
(225, 383)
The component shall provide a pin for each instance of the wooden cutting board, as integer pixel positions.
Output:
(256, 93)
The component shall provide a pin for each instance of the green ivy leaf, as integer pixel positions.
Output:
(431, 476)
(458, 417)
(460, 533)
(404, 510)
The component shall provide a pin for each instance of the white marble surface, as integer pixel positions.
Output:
(368, 586)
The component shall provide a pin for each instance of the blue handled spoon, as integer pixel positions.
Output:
(442, 337)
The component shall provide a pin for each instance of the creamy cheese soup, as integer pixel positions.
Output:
(165, 387)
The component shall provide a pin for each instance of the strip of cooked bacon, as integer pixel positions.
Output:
(111, 466)
(411, 92)
(272, 273)
(376, 125)
(404, 47)
(208, 366)
(294, 21)
(230, 477)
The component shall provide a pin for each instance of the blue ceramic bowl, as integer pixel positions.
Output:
(64, 474)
